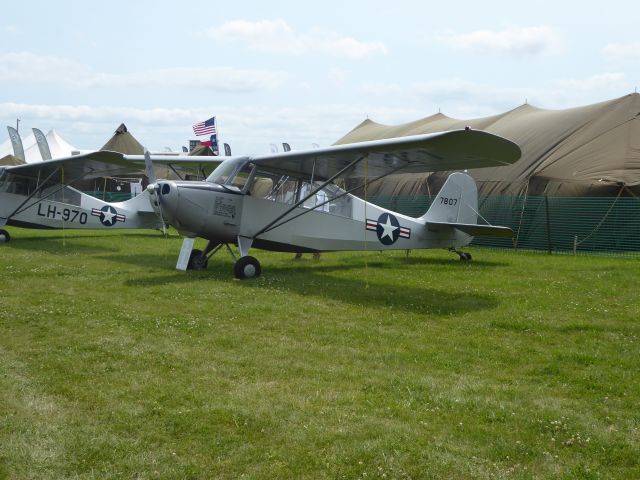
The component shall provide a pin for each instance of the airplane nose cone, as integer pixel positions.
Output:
(165, 189)
(167, 195)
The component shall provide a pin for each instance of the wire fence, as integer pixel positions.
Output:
(607, 225)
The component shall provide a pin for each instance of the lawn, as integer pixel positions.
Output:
(115, 365)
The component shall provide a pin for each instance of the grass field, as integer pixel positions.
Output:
(115, 365)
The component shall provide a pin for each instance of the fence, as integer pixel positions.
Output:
(608, 225)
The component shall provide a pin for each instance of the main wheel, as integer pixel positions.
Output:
(247, 267)
(197, 261)
(465, 256)
(4, 236)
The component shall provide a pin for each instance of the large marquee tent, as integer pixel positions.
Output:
(592, 150)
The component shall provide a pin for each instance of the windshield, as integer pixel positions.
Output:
(228, 170)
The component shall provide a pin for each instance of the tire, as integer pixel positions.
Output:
(247, 267)
(196, 261)
(4, 236)
(465, 257)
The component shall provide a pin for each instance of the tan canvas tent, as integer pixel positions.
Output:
(123, 142)
(585, 151)
(202, 151)
(10, 160)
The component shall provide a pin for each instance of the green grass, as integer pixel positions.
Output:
(115, 365)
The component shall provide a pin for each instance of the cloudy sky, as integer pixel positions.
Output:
(300, 72)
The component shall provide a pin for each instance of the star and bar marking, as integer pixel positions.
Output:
(108, 215)
(388, 229)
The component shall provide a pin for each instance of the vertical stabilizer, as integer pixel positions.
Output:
(456, 202)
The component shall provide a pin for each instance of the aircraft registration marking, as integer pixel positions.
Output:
(448, 201)
(70, 215)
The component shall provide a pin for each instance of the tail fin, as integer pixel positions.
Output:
(140, 203)
(456, 206)
(456, 202)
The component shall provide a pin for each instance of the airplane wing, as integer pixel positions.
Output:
(451, 150)
(104, 164)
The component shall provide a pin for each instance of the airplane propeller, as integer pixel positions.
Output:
(152, 188)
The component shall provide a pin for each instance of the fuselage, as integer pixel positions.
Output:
(287, 214)
(73, 209)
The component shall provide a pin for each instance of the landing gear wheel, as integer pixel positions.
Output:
(197, 261)
(247, 267)
(4, 236)
(465, 256)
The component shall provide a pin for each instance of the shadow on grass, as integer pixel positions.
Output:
(54, 245)
(75, 240)
(305, 265)
(317, 282)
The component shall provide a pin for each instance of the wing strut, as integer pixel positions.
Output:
(307, 197)
(37, 190)
(315, 207)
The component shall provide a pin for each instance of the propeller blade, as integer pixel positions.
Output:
(148, 166)
(151, 175)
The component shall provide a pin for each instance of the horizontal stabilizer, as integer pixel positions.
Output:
(472, 229)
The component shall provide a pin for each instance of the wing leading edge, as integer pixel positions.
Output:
(451, 150)
(104, 164)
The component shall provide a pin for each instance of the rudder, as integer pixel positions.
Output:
(456, 202)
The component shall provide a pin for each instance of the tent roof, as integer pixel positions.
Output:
(123, 142)
(202, 151)
(574, 151)
(10, 160)
(59, 147)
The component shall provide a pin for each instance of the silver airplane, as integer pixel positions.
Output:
(41, 195)
(292, 201)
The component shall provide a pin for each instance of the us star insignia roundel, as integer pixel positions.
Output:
(388, 229)
(108, 215)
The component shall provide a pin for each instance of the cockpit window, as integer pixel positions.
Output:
(240, 179)
(221, 174)
(234, 173)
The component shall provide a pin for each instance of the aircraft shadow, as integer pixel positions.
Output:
(54, 245)
(318, 282)
(398, 261)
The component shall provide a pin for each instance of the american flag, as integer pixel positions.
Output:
(208, 127)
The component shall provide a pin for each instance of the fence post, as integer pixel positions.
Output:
(546, 206)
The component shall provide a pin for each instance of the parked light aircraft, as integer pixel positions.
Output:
(291, 201)
(41, 195)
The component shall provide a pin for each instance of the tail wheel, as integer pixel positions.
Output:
(197, 261)
(4, 236)
(247, 267)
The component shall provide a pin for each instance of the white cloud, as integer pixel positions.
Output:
(249, 129)
(29, 67)
(463, 98)
(382, 89)
(338, 76)
(622, 52)
(594, 83)
(512, 41)
(277, 36)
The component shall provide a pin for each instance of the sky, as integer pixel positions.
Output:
(300, 72)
